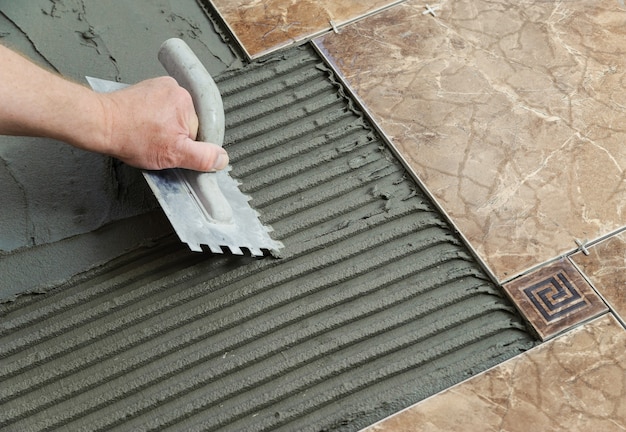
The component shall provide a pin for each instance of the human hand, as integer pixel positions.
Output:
(153, 125)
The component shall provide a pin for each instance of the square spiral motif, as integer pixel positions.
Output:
(555, 298)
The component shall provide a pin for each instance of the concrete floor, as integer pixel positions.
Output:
(510, 116)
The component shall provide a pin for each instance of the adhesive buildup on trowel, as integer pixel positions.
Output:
(207, 210)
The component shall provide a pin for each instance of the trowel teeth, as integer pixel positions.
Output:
(215, 249)
(256, 252)
(188, 217)
(235, 250)
(195, 247)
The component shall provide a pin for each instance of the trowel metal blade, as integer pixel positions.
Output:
(185, 212)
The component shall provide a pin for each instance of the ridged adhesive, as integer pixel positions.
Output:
(374, 305)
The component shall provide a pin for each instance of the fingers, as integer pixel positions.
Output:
(202, 156)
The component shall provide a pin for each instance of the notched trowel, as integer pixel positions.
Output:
(207, 210)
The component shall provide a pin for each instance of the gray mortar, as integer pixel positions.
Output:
(51, 192)
(375, 305)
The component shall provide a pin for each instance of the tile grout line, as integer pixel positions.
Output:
(333, 26)
(338, 26)
(581, 247)
(368, 115)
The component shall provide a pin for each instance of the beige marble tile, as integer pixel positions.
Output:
(605, 266)
(265, 25)
(576, 382)
(513, 114)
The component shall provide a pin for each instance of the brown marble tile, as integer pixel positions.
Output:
(555, 298)
(576, 382)
(605, 266)
(265, 25)
(513, 114)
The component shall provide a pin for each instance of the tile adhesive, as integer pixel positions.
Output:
(374, 305)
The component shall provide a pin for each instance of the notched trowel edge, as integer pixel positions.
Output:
(207, 210)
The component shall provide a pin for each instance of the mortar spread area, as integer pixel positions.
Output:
(64, 210)
(374, 305)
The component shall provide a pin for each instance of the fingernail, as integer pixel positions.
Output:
(222, 161)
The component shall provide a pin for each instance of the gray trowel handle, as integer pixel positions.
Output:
(183, 65)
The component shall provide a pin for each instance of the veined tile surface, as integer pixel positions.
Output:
(576, 382)
(513, 114)
(605, 266)
(265, 25)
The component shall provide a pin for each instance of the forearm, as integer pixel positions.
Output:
(36, 102)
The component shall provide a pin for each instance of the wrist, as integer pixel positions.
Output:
(92, 127)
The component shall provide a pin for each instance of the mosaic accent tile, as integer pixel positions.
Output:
(511, 113)
(555, 298)
(576, 382)
(262, 26)
(605, 267)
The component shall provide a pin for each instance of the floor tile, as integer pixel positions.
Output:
(555, 298)
(262, 26)
(605, 266)
(576, 382)
(511, 113)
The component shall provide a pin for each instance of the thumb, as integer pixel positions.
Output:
(202, 156)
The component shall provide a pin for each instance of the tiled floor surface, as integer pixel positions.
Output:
(512, 114)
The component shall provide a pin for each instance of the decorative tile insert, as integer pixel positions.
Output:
(555, 298)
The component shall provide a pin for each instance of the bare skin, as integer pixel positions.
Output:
(150, 125)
